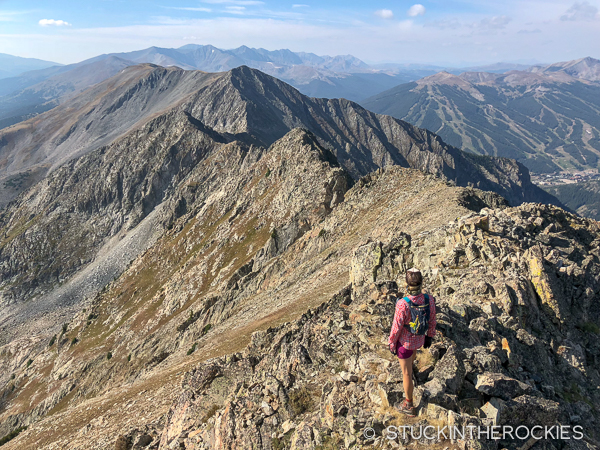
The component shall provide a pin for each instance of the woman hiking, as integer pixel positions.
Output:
(413, 327)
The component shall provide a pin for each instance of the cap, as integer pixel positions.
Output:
(414, 277)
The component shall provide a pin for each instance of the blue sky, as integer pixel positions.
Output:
(445, 32)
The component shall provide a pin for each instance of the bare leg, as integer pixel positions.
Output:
(407, 376)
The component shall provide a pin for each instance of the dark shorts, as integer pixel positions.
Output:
(404, 353)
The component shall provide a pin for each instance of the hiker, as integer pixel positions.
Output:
(413, 327)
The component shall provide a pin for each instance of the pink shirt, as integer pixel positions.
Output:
(400, 335)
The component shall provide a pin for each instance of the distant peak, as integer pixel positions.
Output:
(479, 77)
(589, 60)
(247, 71)
(586, 68)
(243, 69)
(444, 77)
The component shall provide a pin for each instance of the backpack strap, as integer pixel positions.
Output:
(408, 300)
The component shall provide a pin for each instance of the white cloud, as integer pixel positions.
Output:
(55, 23)
(234, 2)
(581, 11)
(416, 10)
(235, 9)
(300, 6)
(189, 9)
(384, 13)
(494, 23)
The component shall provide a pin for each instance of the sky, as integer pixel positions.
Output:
(442, 32)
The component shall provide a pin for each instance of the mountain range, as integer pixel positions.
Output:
(342, 76)
(546, 117)
(36, 91)
(11, 66)
(200, 292)
(203, 260)
(249, 105)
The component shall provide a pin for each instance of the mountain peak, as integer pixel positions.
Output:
(586, 68)
(446, 79)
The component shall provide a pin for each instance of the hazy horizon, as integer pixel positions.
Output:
(439, 64)
(444, 33)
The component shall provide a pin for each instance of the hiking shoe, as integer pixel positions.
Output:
(407, 408)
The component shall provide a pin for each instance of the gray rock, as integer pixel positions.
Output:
(529, 411)
(450, 370)
(502, 386)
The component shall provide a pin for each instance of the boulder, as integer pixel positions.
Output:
(481, 359)
(529, 411)
(434, 392)
(493, 409)
(363, 270)
(450, 370)
(502, 386)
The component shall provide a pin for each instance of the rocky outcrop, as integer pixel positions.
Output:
(496, 384)
(497, 358)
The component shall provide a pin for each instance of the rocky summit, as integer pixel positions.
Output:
(517, 345)
(222, 275)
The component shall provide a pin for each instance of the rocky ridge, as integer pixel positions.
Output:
(142, 170)
(517, 337)
(222, 269)
(516, 345)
